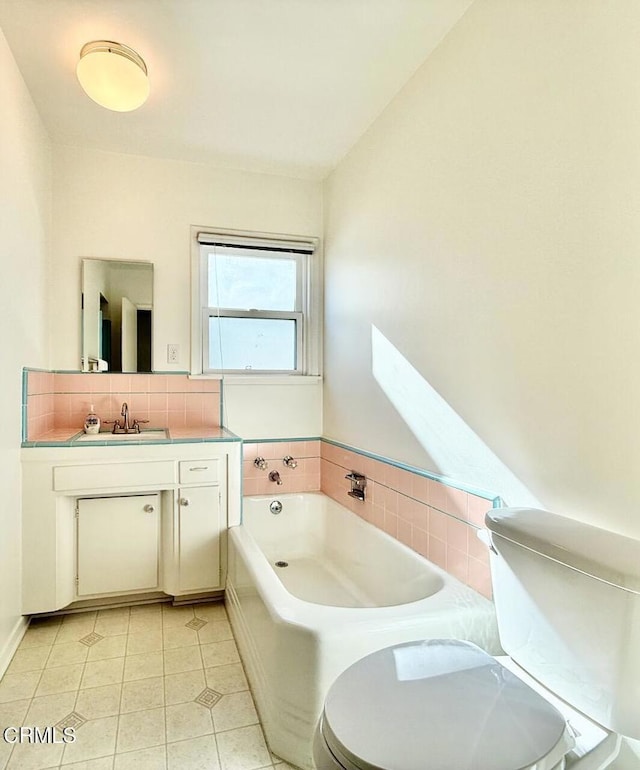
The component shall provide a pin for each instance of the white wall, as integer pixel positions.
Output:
(110, 205)
(488, 226)
(25, 206)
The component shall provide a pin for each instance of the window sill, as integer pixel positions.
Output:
(261, 379)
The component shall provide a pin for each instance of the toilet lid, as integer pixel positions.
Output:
(442, 704)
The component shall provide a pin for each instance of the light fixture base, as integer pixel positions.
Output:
(113, 75)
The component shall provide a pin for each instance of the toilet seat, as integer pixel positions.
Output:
(442, 704)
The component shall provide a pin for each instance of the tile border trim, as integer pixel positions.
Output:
(496, 500)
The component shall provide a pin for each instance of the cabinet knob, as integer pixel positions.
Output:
(149, 508)
(184, 501)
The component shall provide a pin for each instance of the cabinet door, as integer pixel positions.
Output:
(117, 544)
(199, 525)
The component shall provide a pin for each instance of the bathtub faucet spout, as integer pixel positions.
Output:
(275, 476)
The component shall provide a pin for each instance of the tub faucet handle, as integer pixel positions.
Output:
(275, 476)
(260, 463)
(290, 462)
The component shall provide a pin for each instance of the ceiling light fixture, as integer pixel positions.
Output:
(113, 75)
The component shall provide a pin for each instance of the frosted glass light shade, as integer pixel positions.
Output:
(113, 75)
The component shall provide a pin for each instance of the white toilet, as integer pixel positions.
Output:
(567, 599)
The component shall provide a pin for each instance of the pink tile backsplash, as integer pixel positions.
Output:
(304, 478)
(61, 401)
(436, 520)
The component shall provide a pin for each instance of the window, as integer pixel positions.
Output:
(254, 305)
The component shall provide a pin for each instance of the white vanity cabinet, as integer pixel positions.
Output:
(102, 522)
(200, 533)
(118, 544)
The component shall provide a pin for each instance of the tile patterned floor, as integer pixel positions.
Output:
(152, 688)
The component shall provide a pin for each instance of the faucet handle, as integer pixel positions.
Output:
(290, 462)
(260, 463)
(275, 476)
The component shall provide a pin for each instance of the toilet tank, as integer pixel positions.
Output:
(567, 599)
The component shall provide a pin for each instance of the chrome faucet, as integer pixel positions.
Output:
(126, 426)
(290, 462)
(275, 476)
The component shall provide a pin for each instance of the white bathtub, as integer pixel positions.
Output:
(349, 590)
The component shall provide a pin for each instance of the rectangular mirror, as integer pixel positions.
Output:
(117, 308)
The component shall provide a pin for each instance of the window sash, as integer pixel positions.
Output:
(309, 277)
(214, 312)
(299, 259)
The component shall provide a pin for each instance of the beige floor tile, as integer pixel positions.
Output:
(109, 647)
(235, 710)
(103, 763)
(179, 636)
(141, 730)
(145, 622)
(214, 611)
(142, 694)
(67, 654)
(73, 632)
(96, 738)
(243, 749)
(194, 754)
(35, 756)
(187, 720)
(181, 688)
(61, 679)
(141, 624)
(176, 617)
(149, 640)
(112, 626)
(183, 659)
(29, 659)
(48, 710)
(219, 631)
(144, 759)
(102, 672)
(227, 679)
(38, 636)
(219, 654)
(5, 752)
(99, 702)
(136, 687)
(143, 666)
(12, 714)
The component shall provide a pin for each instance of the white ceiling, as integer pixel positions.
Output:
(281, 86)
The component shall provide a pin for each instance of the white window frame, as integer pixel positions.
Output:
(307, 314)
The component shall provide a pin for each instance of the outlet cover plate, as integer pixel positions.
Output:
(173, 354)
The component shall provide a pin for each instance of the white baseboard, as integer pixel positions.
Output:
(11, 645)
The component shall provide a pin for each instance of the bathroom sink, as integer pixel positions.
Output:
(145, 435)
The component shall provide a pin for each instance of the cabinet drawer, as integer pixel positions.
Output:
(199, 471)
(111, 475)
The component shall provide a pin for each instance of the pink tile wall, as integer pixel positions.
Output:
(40, 414)
(437, 521)
(56, 401)
(304, 478)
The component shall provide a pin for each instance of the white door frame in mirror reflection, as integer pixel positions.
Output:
(116, 294)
